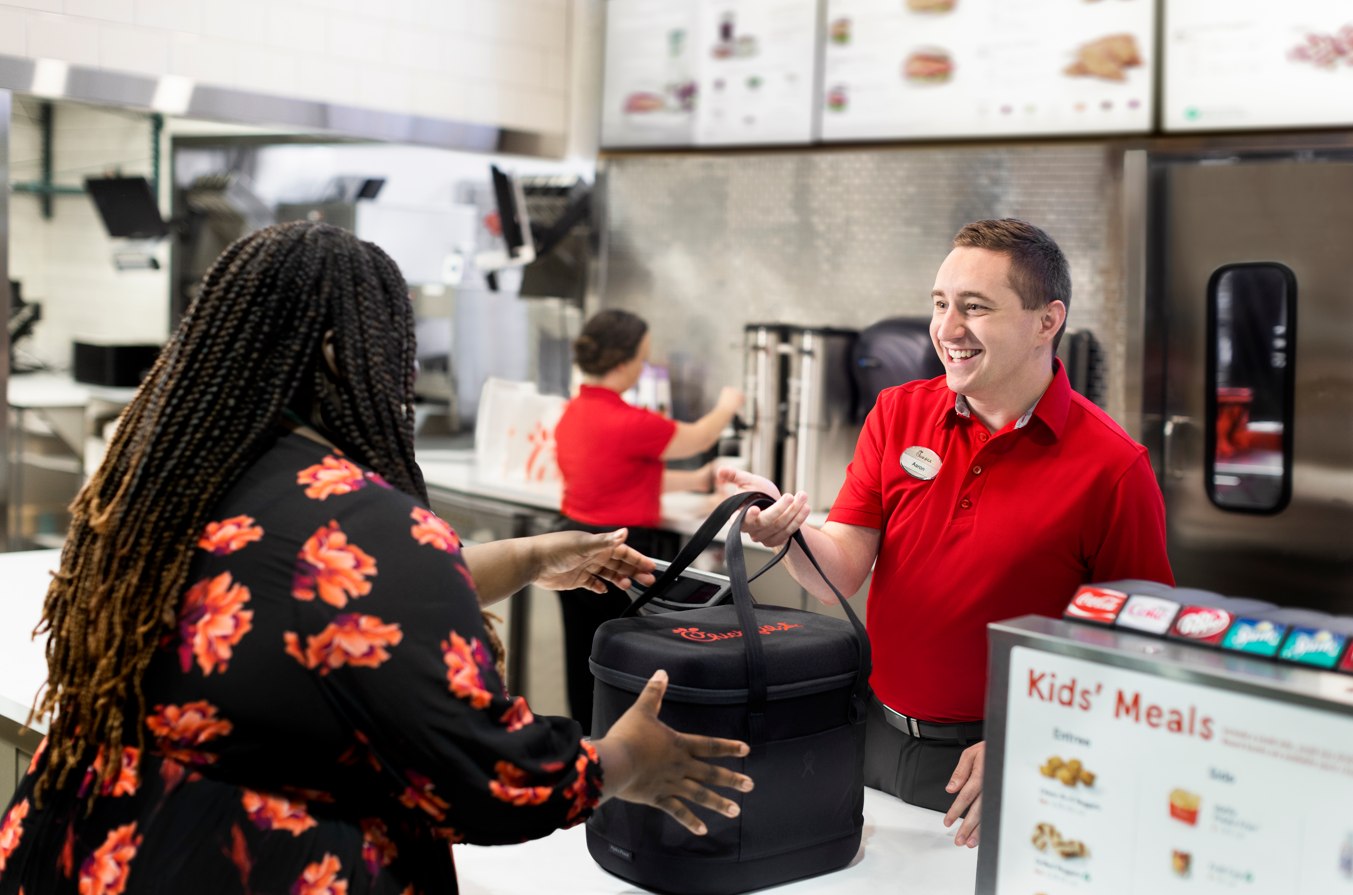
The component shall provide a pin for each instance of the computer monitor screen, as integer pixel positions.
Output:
(512, 215)
(127, 207)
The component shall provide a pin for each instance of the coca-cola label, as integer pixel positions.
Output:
(1256, 636)
(1313, 646)
(1146, 613)
(1201, 624)
(1095, 604)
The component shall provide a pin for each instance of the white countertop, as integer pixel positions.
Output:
(904, 849)
(23, 663)
(454, 470)
(49, 389)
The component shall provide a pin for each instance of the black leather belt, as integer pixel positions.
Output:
(962, 732)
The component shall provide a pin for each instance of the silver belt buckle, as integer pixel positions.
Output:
(908, 724)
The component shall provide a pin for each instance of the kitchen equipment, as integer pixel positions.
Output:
(1248, 390)
(800, 398)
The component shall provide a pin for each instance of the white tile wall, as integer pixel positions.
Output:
(128, 48)
(63, 37)
(12, 42)
(45, 5)
(65, 263)
(111, 10)
(171, 15)
(497, 62)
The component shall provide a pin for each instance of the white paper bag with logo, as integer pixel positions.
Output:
(514, 433)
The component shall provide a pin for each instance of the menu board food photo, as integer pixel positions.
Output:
(1248, 64)
(1116, 780)
(978, 68)
(709, 72)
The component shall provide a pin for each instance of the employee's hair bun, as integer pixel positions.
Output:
(609, 339)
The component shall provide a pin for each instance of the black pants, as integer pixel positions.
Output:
(914, 770)
(584, 611)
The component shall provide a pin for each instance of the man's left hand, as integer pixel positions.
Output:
(575, 559)
(967, 783)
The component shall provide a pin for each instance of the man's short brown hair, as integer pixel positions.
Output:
(1038, 269)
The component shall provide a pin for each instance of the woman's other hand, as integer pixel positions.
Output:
(772, 525)
(645, 761)
(565, 560)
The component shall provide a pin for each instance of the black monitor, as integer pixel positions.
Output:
(127, 207)
(512, 215)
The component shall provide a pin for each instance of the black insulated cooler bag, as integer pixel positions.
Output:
(793, 684)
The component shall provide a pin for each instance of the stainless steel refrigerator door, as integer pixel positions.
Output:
(1290, 212)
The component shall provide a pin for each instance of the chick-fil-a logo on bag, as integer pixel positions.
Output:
(698, 636)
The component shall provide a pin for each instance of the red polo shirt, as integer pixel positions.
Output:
(610, 455)
(1012, 523)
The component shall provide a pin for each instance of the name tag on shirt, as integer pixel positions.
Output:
(920, 462)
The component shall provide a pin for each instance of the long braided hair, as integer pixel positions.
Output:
(246, 350)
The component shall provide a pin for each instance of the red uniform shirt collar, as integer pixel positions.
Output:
(599, 391)
(1051, 409)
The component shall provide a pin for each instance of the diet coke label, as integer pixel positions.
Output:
(1202, 624)
(1146, 613)
(1095, 604)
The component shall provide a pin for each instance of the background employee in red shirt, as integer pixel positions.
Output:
(613, 460)
(989, 492)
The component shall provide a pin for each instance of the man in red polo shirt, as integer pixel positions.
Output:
(989, 492)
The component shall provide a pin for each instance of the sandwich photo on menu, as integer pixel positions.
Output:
(930, 6)
(1106, 58)
(928, 65)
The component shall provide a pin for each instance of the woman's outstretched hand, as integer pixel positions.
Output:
(645, 761)
(565, 560)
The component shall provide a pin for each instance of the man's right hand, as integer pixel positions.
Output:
(776, 523)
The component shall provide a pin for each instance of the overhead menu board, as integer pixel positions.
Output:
(1117, 780)
(1250, 64)
(976, 68)
(707, 73)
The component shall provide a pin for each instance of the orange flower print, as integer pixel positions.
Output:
(33, 763)
(377, 849)
(105, 871)
(276, 813)
(350, 639)
(321, 878)
(463, 673)
(518, 716)
(583, 794)
(229, 535)
(333, 569)
(334, 476)
(419, 794)
(212, 622)
(128, 779)
(12, 830)
(183, 729)
(510, 786)
(430, 529)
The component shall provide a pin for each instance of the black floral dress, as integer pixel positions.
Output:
(326, 720)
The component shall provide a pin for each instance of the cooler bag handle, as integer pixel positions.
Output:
(703, 537)
(742, 600)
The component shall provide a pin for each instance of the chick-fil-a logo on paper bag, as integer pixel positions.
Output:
(699, 636)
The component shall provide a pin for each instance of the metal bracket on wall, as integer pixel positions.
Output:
(45, 189)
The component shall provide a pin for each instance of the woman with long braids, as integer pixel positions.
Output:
(268, 670)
